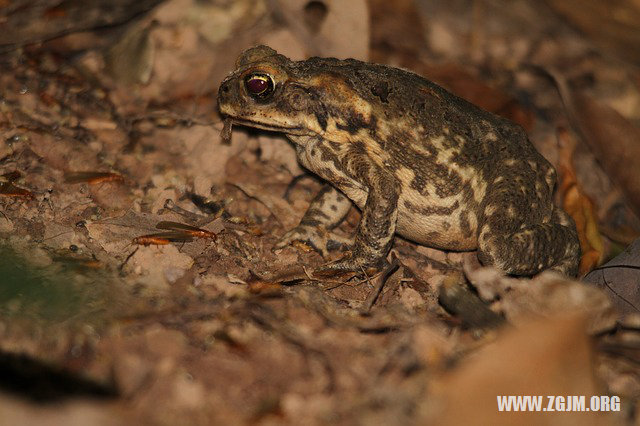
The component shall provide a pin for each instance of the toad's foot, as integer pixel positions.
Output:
(353, 262)
(317, 237)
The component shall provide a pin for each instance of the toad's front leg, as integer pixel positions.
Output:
(374, 235)
(327, 210)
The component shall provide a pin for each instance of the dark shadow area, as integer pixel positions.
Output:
(39, 382)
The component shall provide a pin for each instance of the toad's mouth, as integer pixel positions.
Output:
(290, 130)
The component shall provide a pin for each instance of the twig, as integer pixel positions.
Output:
(380, 282)
(122, 265)
(171, 206)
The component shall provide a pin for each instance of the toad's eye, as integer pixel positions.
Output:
(259, 85)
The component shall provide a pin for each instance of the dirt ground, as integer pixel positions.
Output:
(112, 311)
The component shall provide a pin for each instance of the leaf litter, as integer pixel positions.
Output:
(210, 325)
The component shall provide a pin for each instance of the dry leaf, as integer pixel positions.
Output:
(159, 266)
(619, 278)
(196, 340)
(130, 59)
(396, 30)
(578, 205)
(26, 22)
(324, 26)
(611, 137)
(550, 357)
(614, 25)
(280, 209)
(548, 294)
(207, 155)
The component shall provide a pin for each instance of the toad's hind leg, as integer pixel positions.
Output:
(516, 244)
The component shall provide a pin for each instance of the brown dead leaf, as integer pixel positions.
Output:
(206, 155)
(618, 279)
(548, 294)
(280, 209)
(620, 224)
(186, 29)
(168, 60)
(396, 30)
(613, 25)
(549, 357)
(578, 205)
(115, 235)
(130, 60)
(324, 26)
(611, 137)
(112, 196)
(59, 154)
(200, 341)
(28, 22)
(159, 266)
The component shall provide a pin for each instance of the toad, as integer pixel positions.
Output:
(417, 161)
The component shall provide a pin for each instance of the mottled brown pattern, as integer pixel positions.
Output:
(330, 218)
(412, 157)
(465, 226)
(354, 121)
(431, 210)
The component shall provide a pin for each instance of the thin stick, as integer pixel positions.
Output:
(380, 282)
